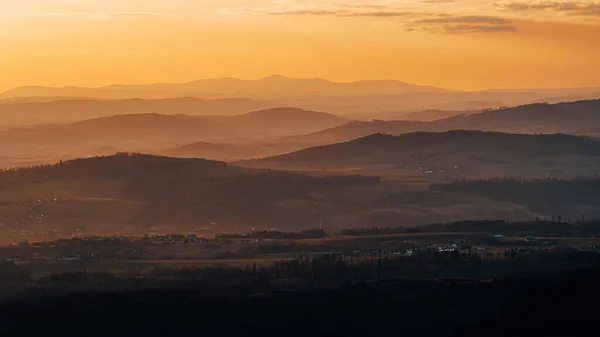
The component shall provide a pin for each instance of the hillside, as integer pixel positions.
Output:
(362, 97)
(233, 149)
(265, 88)
(56, 110)
(430, 115)
(571, 118)
(568, 199)
(455, 153)
(155, 132)
(132, 192)
(288, 120)
(533, 118)
(357, 129)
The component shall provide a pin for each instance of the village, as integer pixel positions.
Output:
(193, 247)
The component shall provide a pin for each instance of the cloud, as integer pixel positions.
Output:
(462, 29)
(470, 24)
(471, 19)
(314, 12)
(412, 20)
(572, 8)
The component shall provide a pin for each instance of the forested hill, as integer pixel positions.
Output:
(381, 148)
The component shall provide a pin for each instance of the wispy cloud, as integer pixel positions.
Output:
(573, 8)
(412, 20)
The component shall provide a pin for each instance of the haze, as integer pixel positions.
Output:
(463, 44)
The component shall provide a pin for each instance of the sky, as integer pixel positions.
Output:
(460, 44)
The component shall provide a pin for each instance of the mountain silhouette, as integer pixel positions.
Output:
(134, 191)
(264, 88)
(57, 110)
(474, 152)
(151, 132)
(232, 150)
(571, 118)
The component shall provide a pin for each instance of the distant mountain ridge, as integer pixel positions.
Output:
(569, 117)
(572, 118)
(153, 132)
(375, 98)
(23, 111)
(477, 152)
(266, 87)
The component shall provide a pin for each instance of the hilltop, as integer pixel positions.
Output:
(264, 88)
(154, 132)
(362, 97)
(571, 118)
(475, 152)
(358, 129)
(133, 191)
(37, 110)
(233, 149)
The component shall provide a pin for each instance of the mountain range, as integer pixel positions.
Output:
(374, 98)
(265, 132)
(266, 88)
(154, 132)
(578, 117)
(454, 154)
(57, 110)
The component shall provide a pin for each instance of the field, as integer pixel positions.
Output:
(45, 268)
(264, 254)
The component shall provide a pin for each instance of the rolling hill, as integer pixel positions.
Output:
(572, 118)
(272, 87)
(569, 117)
(133, 193)
(430, 115)
(36, 110)
(233, 150)
(313, 94)
(141, 191)
(357, 129)
(288, 120)
(154, 132)
(457, 153)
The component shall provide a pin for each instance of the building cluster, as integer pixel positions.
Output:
(175, 239)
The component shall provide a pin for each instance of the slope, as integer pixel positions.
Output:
(154, 132)
(64, 110)
(264, 88)
(572, 118)
(474, 152)
(232, 150)
(139, 191)
(569, 117)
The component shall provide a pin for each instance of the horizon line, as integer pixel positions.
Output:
(274, 76)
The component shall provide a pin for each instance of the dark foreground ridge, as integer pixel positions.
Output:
(545, 305)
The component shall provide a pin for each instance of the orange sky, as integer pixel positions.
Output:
(463, 44)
